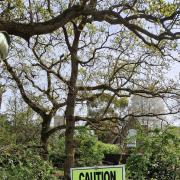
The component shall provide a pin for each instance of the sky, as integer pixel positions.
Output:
(174, 73)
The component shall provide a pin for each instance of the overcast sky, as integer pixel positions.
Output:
(175, 71)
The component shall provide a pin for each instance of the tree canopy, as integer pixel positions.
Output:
(65, 54)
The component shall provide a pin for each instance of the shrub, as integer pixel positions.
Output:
(160, 157)
(90, 151)
(19, 163)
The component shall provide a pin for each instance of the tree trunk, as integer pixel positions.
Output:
(45, 137)
(44, 143)
(70, 120)
(69, 147)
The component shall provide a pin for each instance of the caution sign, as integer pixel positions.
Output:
(99, 173)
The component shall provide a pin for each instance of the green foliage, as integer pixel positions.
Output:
(56, 144)
(121, 103)
(6, 137)
(19, 163)
(159, 157)
(174, 130)
(20, 123)
(109, 106)
(57, 149)
(89, 150)
(92, 28)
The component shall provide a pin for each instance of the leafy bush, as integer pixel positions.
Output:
(57, 150)
(90, 151)
(19, 163)
(159, 159)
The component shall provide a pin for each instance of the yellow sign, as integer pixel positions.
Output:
(99, 173)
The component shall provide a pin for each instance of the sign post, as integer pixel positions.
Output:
(99, 173)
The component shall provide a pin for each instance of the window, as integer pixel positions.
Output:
(131, 138)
